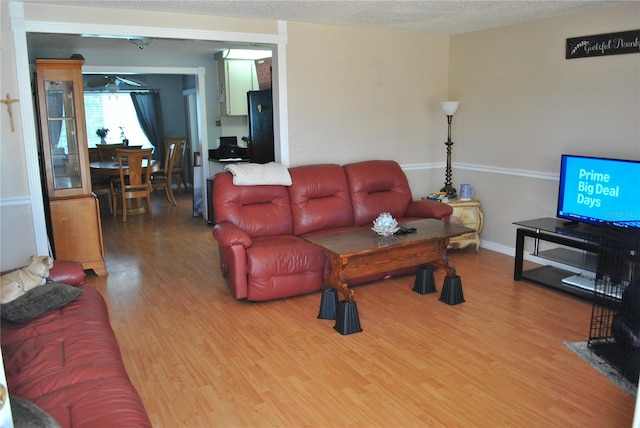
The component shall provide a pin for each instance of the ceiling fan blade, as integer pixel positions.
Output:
(131, 82)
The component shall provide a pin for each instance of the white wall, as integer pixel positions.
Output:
(522, 105)
(358, 94)
(17, 237)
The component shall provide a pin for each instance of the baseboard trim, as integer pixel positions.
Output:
(511, 251)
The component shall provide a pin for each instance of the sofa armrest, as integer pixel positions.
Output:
(67, 272)
(228, 234)
(429, 209)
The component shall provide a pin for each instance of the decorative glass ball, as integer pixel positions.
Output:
(385, 225)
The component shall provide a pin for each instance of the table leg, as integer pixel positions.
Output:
(424, 282)
(443, 263)
(347, 318)
(518, 262)
(452, 288)
(345, 311)
(337, 279)
(328, 304)
(134, 206)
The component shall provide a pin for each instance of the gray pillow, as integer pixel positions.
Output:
(28, 415)
(38, 301)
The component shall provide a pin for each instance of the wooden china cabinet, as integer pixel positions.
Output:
(74, 211)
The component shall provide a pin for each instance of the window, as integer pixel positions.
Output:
(115, 112)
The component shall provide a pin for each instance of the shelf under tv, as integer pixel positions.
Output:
(576, 251)
(552, 277)
(580, 259)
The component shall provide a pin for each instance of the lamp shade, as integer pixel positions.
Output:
(450, 107)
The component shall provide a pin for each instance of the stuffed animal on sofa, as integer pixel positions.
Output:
(15, 284)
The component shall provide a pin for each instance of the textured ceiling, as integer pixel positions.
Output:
(431, 16)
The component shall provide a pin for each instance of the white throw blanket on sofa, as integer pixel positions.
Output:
(256, 174)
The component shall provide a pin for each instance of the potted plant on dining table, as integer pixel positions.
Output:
(102, 133)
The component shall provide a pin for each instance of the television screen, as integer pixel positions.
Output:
(599, 191)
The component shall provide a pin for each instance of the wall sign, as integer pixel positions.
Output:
(604, 44)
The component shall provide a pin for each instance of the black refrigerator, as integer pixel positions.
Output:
(260, 106)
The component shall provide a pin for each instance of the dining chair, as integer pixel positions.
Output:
(162, 178)
(135, 179)
(179, 164)
(107, 152)
(94, 156)
(101, 186)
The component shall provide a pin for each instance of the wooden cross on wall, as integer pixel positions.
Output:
(8, 101)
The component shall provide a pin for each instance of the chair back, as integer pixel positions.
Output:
(181, 148)
(169, 158)
(107, 152)
(377, 186)
(135, 176)
(257, 210)
(94, 155)
(319, 198)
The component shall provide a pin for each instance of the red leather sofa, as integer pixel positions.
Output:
(259, 229)
(68, 361)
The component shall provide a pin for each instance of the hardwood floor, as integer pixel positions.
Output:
(201, 358)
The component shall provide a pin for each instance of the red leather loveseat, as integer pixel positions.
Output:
(259, 228)
(68, 362)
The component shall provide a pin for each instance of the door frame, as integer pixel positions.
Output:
(20, 26)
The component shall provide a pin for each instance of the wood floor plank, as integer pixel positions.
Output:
(201, 358)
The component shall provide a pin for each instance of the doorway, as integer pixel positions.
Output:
(22, 25)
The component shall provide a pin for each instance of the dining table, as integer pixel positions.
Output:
(112, 170)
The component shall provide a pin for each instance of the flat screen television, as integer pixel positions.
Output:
(600, 191)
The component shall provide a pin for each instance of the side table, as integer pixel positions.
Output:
(469, 214)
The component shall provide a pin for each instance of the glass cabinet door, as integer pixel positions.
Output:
(63, 142)
(62, 127)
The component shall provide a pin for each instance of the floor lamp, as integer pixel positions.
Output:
(449, 108)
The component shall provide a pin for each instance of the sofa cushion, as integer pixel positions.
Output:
(283, 266)
(38, 301)
(376, 187)
(68, 362)
(258, 210)
(319, 198)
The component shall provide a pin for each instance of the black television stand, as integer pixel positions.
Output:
(582, 253)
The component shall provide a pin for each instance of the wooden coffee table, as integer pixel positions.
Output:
(359, 253)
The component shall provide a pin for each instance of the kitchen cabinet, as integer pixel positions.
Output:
(240, 77)
(74, 215)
